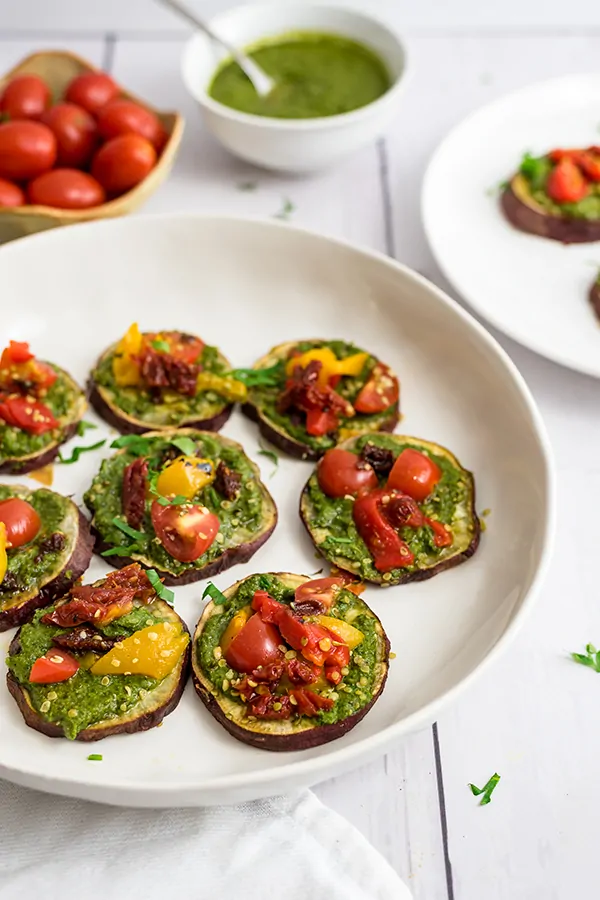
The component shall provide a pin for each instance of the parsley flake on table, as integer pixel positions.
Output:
(590, 658)
(486, 790)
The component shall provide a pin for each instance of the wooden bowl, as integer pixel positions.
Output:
(58, 68)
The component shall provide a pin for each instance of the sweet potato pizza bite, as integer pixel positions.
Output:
(557, 195)
(284, 662)
(165, 379)
(45, 546)
(391, 509)
(40, 406)
(186, 503)
(110, 657)
(308, 395)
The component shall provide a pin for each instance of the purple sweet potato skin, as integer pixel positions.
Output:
(295, 448)
(110, 414)
(77, 564)
(557, 228)
(142, 723)
(595, 297)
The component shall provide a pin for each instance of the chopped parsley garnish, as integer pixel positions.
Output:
(177, 500)
(128, 530)
(487, 790)
(123, 550)
(77, 451)
(286, 210)
(163, 346)
(161, 591)
(590, 658)
(269, 377)
(535, 169)
(214, 593)
(95, 757)
(135, 443)
(185, 444)
(83, 426)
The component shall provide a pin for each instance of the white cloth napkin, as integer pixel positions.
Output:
(291, 847)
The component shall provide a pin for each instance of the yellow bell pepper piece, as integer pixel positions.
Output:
(235, 626)
(229, 388)
(153, 651)
(3, 556)
(346, 633)
(330, 364)
(125, 368)
(185, 476)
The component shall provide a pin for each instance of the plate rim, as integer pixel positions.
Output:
(265, 782)
(564, 360)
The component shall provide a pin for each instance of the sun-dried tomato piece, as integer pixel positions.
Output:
(134, 491)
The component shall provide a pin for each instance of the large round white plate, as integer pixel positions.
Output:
(247, 285)
(533, 289)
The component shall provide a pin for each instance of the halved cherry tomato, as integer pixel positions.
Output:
(386, 546)
(123, 162)
(29, 415)
(26, 150)
(55, 665)
(25, 97)
(186, 532)
(21, 521)
(16, 352)
(10, 194)
(121, 116)
(92, 91)
(566, 183)
(325, 590)
(380, 391)
(66, 189)
(414, 474)
(320, 421)
(257, 644)
(442, 536)
(339, 474)
(75, 132)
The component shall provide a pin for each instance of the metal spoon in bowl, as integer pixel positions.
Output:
(263, 83)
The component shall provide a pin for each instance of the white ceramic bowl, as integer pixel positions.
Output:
(299, 145)
(247, 285)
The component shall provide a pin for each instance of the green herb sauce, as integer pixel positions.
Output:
(363, 672)
(316, 75)
(332, 521)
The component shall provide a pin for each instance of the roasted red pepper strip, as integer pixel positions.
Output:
(386, 546)
(310, 703)
(442, 536)
(28, 415)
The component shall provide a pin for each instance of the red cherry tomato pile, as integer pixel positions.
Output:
(573, 174)
(91, 146)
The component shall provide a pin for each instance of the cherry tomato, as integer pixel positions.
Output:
(324, 590)
(338, 474)
(126, 117)
(29, 415)
(380, 391)
(566, 183)
(25, 97)
(26, 150)
(123, 162)
(589, 163)
(11, 194)
(320, 421)
(21, 520)
(257, 644)
(66, 189)
(75, 132)
(56, 665)
(92, 91)
(186, 532)
(414, 474)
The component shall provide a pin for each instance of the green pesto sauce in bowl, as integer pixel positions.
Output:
(363, 669)
(316, 75)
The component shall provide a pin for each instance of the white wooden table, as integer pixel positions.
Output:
(534, 716)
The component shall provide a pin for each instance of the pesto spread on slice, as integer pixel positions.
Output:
(102, 657)
(282, 654)
(178, 501)
(164, 379)
(390, 508)
(38, 403)
(565, 182)
(320, 392)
